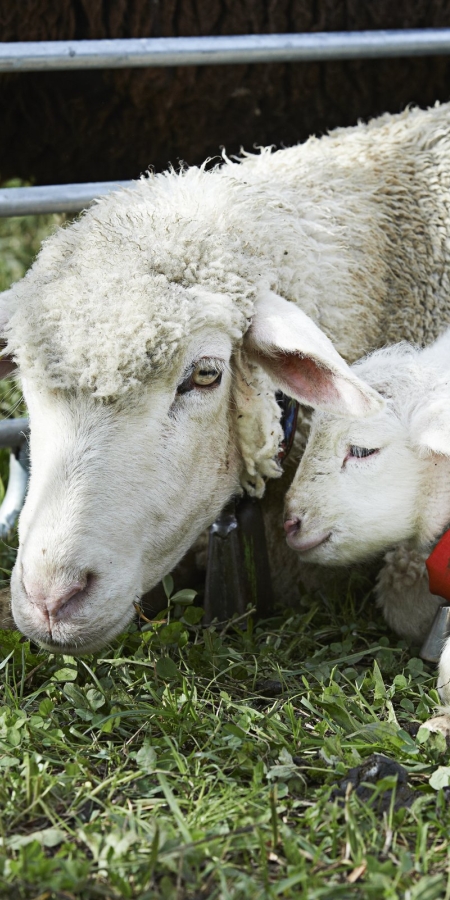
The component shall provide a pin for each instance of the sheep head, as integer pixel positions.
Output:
(365, 485)
(150, 387)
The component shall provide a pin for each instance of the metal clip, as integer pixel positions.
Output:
(438, 634)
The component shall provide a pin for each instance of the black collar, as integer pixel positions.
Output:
(289, 413)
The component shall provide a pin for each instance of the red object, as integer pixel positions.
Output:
(438, 565)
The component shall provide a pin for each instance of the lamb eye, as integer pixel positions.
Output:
(203, 375)
(361, 452)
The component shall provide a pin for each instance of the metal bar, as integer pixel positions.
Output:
(53, 55)
(14, 498)
(13, 432)
(438, 635)
(36, 56)
(54, 197)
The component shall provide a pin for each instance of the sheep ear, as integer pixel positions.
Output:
(302, 361)
(7, 364)
(430, 428)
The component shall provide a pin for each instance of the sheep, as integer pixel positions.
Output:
(152, 333)
(365, 487)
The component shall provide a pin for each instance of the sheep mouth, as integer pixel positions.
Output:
(73, 638)
(303, 546)
(78, 645)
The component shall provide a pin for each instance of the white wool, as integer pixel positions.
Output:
(110, 299)
(327, 224)
(257, 425)
(320, 224)
(353, 229)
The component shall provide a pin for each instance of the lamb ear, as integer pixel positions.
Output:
(303, 362)
(7, 364)
(430, 427)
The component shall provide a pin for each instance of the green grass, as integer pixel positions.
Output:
(188, 763)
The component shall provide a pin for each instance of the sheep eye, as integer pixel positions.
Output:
(203, 375)
(361, 452)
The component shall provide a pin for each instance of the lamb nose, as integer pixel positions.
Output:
(291, 526)
(52, 601)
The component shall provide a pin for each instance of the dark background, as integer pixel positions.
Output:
(101, 125)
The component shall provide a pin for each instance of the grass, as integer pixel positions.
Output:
(187, 762)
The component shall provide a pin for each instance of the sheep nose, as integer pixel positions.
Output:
(293, 525)
(52, 600)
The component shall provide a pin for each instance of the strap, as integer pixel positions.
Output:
(289, 414)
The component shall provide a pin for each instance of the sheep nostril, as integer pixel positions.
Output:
(56, 603)
(292, 526)
(51, 600)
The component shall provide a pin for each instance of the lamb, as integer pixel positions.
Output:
(365, 487)
(152, 333)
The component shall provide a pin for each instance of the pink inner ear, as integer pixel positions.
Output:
(307, 380)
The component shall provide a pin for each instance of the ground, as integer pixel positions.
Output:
(278, 759)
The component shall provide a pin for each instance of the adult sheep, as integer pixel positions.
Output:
(151, 398)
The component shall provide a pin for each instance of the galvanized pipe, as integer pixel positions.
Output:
(54, 198)
(13, 432)
(52, 55)
(34, 56)
(14, 498)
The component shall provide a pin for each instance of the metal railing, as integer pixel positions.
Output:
(228, 50)
(54, 198)
(255, 48)
(14, 434)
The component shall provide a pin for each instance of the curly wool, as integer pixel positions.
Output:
(257, 425)
(403, 594)
(354, 228)
(110, 299)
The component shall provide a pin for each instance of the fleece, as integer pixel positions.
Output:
(354, 227)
